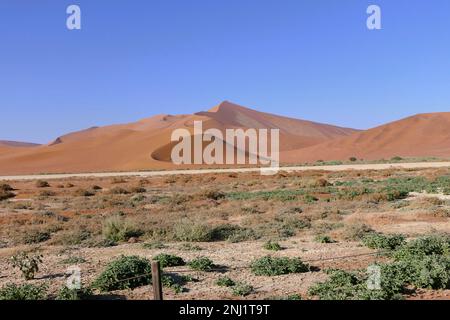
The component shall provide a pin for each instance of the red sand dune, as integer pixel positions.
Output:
(131, 146)
(422, 135)
(146, 145)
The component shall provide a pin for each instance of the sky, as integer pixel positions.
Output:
(308, 59)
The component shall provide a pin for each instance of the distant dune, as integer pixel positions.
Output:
(422, 135)
(146, 145)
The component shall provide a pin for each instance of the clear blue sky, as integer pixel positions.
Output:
(310, 59)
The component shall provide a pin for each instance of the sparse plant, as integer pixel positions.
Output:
(74, 294)
(27, 263)
(117, 229)
(242, 289)
(42, 184)
(225, 282)
(23, 292)
(273, 266)
(323, 239)
(169, 260)
(273, 246)
(126, 272)
(201, 264)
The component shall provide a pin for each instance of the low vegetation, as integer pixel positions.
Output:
(126, 272)
(273, 266)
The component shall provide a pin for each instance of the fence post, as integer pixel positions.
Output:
(156, 280)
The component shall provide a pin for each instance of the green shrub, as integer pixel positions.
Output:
(175, 282)
(225, 282)
(343, 285)
(381, 241)
(74, 294)
(169, 260)
(272, 266)
(273, 246)
(117, 229)
(28, 264)
(126, 272)
(242, 289)
(323, 239)
(192, 231)
(310, 199)
(23, 292)
(201, 264)
(243, 234)
(424, 246)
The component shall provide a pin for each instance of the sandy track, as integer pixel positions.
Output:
(384, 166)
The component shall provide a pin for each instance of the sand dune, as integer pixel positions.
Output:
(130, 146)
(423, 135)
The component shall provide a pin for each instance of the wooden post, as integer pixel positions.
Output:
(156, 279)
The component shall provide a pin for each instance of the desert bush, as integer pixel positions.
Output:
(357, 231)
(42, 184)
(46, 194)
(96, 188)
(210, 194)
(72, 237)
(322, 183)
(292, 297)
(117, 229)
(243, 234)
(323, 239)
(272, 266)
(33, 236)
(242, 289)
(23, 292)
(353, 159)
(343, 285)
(138, 190)
(117, 180)
(201, 264)
(381, 241)
(225, 282)
(424, 246)
(126, 272)
(175, 282)
(4, 195)
(6, 187)
(273, 246)
(118, 190)
(169, 260)
(83, 193)
(191, 231)
(74, 294)
(27, 263)
(154, 245)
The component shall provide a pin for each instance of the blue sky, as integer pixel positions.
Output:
(310, 59)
